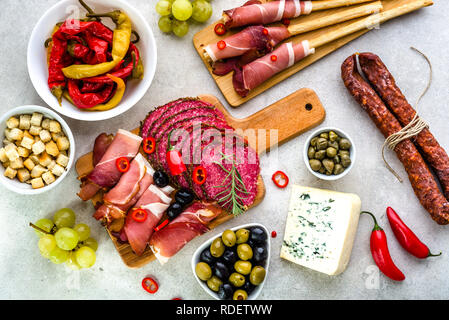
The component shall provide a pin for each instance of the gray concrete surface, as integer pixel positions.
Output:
(24, 274)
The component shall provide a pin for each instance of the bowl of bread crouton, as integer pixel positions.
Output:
(37, 149)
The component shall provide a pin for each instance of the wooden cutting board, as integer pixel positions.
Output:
(288, 117)
(224, 83)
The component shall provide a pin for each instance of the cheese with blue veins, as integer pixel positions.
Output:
(321, 228)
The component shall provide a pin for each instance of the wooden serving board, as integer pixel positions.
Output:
(224, 83)
(290, 116)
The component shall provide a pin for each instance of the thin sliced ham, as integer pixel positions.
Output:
(127, 191)
(155, 202)
(193, 222)
(265, 13)
(255, 73)
(105, 174)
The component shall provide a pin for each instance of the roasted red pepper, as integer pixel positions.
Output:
(77, 50)
(89, 99)
(280, 179)
(199, 175)
(149, 145)
(408, 240)
(220, 29)
(381, 254)
(122, 164)
(139, 215)
(174, 159)
(98, 46)
(150, 285)
(92, 87)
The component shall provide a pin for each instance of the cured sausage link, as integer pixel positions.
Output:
(422, 180)
(383, 82)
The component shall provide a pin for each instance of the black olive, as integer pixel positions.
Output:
(229, 257)
(258, 235)
(174, 210)
(260, 253)
(160, 179)
(184, 196)
(225, 292)
(221, 271)
(248, 287)
(207, 257)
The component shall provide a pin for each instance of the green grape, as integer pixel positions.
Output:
(91, 243)
(180, 28)
(202, 10)
(163, 7)
(182, 10)
(165, 24)
(85, 257)
(45, 224)
(71, 262)
(64, 218)
(66, 238)
(83, 231)
(58, 256)
(46, 244)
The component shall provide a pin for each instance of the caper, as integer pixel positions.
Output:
(321, 144)
(214, 283)
(244, 251)
(338, 169)
(236, 279)
(333, 136)
(313, 141)
(345, 161)
(334, 145)
(229, 238)
(329, 165)
(331, 152)
(324, 135)
(203, 271)
(343, 152)
(345, 144)
(320, 155)
(217, 248)
(315, 164)
(240, 295)
(336, 159)
(242, 236)
(257, 275)
(311, 152)
(243, 267)
(322, 170)
(328, 173)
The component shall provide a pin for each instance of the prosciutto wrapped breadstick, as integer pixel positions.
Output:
(106, 174)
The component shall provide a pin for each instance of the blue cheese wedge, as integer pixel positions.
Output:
(321, 227)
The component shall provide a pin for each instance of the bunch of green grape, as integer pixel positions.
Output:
(176, 13)
(63, 241)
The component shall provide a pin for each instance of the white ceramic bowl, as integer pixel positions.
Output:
(21, 187)
(37, 55)
(196, 259)
(352, 153)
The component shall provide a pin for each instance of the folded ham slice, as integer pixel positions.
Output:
(127, 191)
(193, 222)
(155, 202)
(105, 174)
(255, 73)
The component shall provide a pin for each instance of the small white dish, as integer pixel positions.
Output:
(21, 187)
(196, 258)
(37, 55)
(352, 153)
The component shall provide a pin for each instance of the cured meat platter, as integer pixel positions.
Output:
(296, 114)
(323, 48)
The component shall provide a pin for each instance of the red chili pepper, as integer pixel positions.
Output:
(150, 285)
(220, 29)
(265, 31)
(149, 145)
(274, 234)
(98, 46)
(381, 254)
(221, 44)
(139, 215)
(274, 58)
(199, 175)
(286, 21)
(163, 224)
(176, 299)
(280, 179)
(174, 159)
(122, 164)
(408, 240)
(90, 99)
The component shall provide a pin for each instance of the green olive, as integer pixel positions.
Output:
(244, 251)
(315, 164)
(214, 283)
(217, 248)
(324, 135)
(243, 267)
(242, 236)
(338, 169)
(331, 152)
(320, 155)
(229, 238)
(321, 144)
(311, 153)
(329, 165)
(240, 295)
(257, 275)
(345, 161)
(313, 141)
(237, 279)
(203, 271)
(345, 144)
(333, 136)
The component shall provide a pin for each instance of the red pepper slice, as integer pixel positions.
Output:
(265, 31)
(176, 299)
(274, 58)
(221, 44)
(199, 175)
(280, 179)
(139, 215)
(163, 224)
(220, 29)
(274, 234)
(174, 159)
(122, 164)
(149, 145)
(150, 285)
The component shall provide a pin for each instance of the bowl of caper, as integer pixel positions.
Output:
(329, 153)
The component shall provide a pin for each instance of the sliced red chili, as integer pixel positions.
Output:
(163, 224)
(220, 29)
(199, 175)
(280, 179)
(176, 299)
(139, 215)
(122, 164)
(274, 234)
(150, 285)
(274, 58)
(265, 31)
(221, 44)
(149, 145)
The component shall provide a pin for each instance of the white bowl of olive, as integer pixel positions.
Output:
(329, 153)
(234, 264)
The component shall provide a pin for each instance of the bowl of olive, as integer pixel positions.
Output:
(234, 264)
(329, 153)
